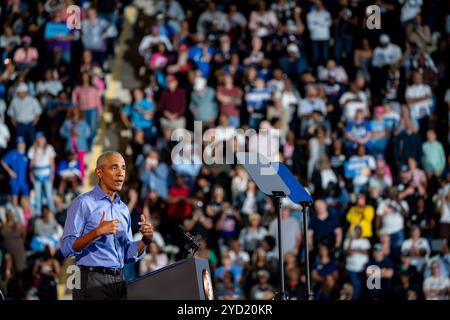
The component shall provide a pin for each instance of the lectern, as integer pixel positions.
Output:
(187, 279)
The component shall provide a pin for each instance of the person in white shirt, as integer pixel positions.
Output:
(147, 42)
(290, 231)
(319, 22)
(212, 20)
(417, 248)
(387, 53)
(357, 251)
(436, 287)
(332, 68)
(419, 98)
(353, 100)
(42, 165)
(390, 216)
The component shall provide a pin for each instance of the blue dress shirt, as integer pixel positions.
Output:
(111, 251)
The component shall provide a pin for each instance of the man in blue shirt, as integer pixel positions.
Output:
(98, 233)
(15, 162)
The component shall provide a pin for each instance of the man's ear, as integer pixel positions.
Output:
(98, 173)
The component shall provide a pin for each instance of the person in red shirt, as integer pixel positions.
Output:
(179, 204)
(230, 99)
(172, 105)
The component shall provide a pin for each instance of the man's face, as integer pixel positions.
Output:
(112, 172)
(22, 94)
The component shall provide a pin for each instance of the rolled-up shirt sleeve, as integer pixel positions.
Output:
(131, 248)
(73, 228)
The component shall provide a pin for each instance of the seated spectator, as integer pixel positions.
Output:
(359, 168)
(69, 172)
(238, 257)
(417, 248)
(47, 231)
(262, 22)
(324, 266)
(263, 290)
(386, 53)
(333, 70)
(352, 101)
(227, 265)
(138, 115)
(212, 20)
(294, 63)
(358, 132)
(153, 259)
(253, 234)
(226, 288)
(26, 56)
(436, 287)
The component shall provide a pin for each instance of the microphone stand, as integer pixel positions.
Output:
(277, 195)
(305, 205)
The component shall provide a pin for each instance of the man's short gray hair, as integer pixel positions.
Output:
(105, 155)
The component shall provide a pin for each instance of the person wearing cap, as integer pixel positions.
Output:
(26, 56)
(262, 290)
(203, 104)
(386, 53)
(24, 111)
(42, 171)
(293, 63)
(15, 162)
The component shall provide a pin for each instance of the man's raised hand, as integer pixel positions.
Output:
(146, 230)
(107, 227)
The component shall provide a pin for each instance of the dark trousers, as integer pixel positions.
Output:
(27, 131)
(99, 286)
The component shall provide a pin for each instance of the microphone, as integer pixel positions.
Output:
(192, 241)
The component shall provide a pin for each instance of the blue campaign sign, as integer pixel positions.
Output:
(297, 192)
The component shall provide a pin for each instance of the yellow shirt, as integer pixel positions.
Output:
(362, 216)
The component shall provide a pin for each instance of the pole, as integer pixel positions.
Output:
(277, 197)
(305, 205)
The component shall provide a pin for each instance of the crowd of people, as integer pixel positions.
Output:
(361, 114)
